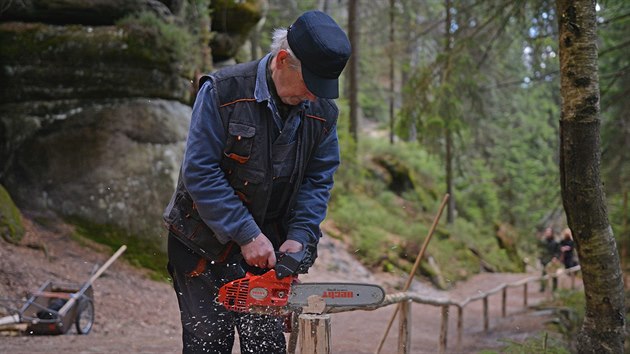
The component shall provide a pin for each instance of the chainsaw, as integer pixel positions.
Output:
(278, 291)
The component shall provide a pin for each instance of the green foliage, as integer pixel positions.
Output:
(196, 20)
(480, 194)
(619, 218)
(569, 308)
(281, 14)
(614, 60)
(11, 228)
(141, 252)
(480, 241)
(385, 224)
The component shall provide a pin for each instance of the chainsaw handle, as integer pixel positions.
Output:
(288, 263)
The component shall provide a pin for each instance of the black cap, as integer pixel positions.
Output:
(323, 48)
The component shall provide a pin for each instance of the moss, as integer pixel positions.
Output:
(141, 251)
(150, 37)
(235, 16)
(136, 41)
(11, 227)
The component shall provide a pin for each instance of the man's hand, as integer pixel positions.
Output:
(291, 246)
(259, 253)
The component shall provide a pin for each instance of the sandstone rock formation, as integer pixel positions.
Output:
(95, 106)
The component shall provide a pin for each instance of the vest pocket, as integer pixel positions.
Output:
(185, 223)
(239, 142)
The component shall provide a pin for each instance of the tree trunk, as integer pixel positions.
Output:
(582, 193)
(353, 35)
(625, 235)
(323, 5)
(392, 95)
(450, 211)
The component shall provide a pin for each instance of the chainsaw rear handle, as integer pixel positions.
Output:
(288, 263)
(297, 262)
(291, 263)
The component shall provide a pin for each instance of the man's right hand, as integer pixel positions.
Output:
(259, 253)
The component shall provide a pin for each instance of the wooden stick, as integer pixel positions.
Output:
(66, 307)
(415, 267)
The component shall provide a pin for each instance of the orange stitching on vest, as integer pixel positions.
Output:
(238, 158)
(239, 100)
(316, 117)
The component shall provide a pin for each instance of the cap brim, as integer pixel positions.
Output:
(319, 86)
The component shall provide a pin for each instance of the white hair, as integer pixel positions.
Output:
(279, 41)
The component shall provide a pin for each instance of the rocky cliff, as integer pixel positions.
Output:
(95, 103)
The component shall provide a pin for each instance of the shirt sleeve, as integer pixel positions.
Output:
(216, 202)
(312, 198)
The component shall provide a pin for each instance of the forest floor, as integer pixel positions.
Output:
(134, 314)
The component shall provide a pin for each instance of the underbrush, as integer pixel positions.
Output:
(543, 344)
(385, 201)
(567, 309)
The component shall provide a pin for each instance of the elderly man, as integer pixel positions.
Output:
(256, 178)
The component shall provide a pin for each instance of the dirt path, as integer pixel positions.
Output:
(138, 315)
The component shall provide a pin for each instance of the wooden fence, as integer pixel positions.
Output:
(405, 299)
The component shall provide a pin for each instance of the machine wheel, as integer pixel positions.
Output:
(85, 316)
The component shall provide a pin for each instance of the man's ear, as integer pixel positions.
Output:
(282, 58)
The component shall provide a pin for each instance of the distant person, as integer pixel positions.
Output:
(549, 249)
(567, 249)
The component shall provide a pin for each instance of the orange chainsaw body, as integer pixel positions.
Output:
(256, 291)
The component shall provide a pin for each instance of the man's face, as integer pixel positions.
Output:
(289, 82)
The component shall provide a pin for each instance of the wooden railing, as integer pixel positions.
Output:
(406, 298)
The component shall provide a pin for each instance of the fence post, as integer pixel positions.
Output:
(444, 329)
(503, 302)
(460, 326)
(404, 337)
(525, 295)
(486, 320)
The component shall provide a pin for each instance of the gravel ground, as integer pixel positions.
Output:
(134, 314)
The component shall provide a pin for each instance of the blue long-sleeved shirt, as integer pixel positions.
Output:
(216, 202)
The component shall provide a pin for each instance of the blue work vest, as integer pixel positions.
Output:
(250, 161)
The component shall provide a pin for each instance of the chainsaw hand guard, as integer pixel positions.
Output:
(295, 263)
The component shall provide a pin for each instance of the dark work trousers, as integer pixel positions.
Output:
(207, 327)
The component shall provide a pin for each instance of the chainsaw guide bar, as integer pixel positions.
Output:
(267, 293)
(337, 294)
